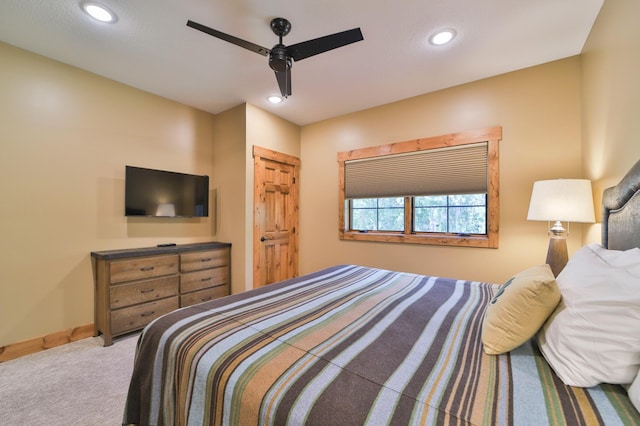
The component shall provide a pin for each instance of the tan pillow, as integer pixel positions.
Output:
(519, 309)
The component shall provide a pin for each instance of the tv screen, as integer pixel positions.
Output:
(160, 193)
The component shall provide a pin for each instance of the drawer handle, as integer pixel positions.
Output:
(148, 268)
(206, 279)
(206, 260)
(146, 314)
(206, 298)
(151, 290)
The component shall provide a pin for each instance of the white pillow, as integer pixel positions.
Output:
(634, 392)
(593, 336)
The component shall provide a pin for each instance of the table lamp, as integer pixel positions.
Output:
(560, 200)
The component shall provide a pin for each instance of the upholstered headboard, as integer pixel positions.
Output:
(621, 212)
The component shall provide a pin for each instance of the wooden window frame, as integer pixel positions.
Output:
(491, 135)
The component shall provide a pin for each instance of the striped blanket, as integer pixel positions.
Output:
(348, 346)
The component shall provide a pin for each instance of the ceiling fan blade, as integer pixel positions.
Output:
(318, 45)
(231, 39)
(284, 81)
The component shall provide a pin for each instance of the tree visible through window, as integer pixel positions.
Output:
(455, 214)
(377, 214)
(374, 183)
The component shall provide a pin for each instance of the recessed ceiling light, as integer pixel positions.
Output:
(274, 99)
(442, 37)
(98, 12)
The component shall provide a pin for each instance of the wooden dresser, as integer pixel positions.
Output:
(135, 286)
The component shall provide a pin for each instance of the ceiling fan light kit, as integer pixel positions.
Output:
(281, 56)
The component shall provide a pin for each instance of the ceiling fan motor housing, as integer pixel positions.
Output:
(279, 60)
(280, 27)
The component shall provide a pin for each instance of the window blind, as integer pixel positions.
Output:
(460, 169)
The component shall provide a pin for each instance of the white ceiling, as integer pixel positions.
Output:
(151, 48)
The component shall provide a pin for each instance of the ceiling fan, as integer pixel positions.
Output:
(280, 56)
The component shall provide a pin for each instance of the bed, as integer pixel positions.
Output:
(352, 345)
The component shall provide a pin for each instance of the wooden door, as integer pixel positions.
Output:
(275, 237)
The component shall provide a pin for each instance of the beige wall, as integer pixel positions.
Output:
(539, 111)
(268, 131)
(237, 131)
(66, 136)
(611, 98)
(228, 183)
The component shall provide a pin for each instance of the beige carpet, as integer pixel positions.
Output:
(80, 383)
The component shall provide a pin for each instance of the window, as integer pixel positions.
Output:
(453, 214)
(440, 190)
(377, 214)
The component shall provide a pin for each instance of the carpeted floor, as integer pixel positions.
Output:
(80, 383)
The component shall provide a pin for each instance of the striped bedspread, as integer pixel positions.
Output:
(350, 345)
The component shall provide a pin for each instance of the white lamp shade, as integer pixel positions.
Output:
(567, 200)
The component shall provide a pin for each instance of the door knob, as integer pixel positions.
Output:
(263, 239)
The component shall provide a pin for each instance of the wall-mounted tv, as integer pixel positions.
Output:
(161, 193)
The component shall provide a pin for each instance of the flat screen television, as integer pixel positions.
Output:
(161, 193)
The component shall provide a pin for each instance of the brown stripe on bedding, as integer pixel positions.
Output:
(378, 358)
(213, 328)
(473, 383)
(492, 373)
(138, 406)
(225, 366)
(229, 366)
(554, 408)
(576, 403)
(219, 380)
(255, 383)
(415, 385)
(190, 353)
(349, 397)
(434, 353)
(264, 380)
(263, 376)
(502, 411)
(256, 304)
(565, 402)
(584, 405)
(460, 390)
(195, 346)
(340, 324)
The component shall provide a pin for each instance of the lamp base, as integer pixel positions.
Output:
(557, 256)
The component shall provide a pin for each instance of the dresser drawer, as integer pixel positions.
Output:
(123, 295)
(144, 267)
(198, 280)
(204, 259)
(204, 295)
(136, 317)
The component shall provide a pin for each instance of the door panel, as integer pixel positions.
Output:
(275, 216)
